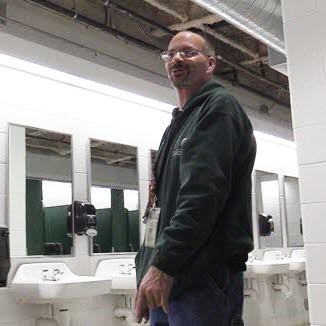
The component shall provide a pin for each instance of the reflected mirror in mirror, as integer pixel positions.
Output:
(40, 162)
(293, 213)
(115, 195)
(268, 202)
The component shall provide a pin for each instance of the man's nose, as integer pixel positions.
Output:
(177, 57)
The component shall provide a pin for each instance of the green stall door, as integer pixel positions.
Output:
(35, 223)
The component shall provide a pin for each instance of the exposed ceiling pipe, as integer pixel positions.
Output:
(260, 18)
(168, 10)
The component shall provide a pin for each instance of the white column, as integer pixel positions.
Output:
(80, 159)
(144, 175)
(17, 190)
(304, 26)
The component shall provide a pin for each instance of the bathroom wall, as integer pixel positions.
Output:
(304, 22)
(68, 104)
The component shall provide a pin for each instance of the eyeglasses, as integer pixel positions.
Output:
(168, 56)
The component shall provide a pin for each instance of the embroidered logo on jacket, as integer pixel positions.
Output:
(177, 151)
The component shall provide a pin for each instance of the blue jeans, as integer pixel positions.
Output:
(207, 303)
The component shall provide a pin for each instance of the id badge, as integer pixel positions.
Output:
(151, 226)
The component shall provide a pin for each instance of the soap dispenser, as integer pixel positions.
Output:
(82, 219)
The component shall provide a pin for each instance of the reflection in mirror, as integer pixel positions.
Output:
(293, 213)
(268, 202)
(266, 225)
(114, 193)
(40, 162)
(153, 157)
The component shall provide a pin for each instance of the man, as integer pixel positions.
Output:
(198, 225)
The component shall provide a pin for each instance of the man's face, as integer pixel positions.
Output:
(189, 72)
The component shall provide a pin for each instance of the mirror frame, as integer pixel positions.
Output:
(10, 190)
(89, 169)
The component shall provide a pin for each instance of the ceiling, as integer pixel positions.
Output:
(150, 24)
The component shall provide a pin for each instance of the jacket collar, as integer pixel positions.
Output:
(197, 97)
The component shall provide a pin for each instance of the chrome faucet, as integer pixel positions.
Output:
(127, 270)
(51, 275)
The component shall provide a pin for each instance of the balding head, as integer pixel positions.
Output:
(206, 45)
(190, 60)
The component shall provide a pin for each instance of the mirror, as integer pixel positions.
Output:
(115, 195)
(293, 213)
(268, 203)
(40, 163)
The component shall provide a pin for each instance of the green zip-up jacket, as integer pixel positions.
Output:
(203, 181)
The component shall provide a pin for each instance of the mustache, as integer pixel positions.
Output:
(178, 65)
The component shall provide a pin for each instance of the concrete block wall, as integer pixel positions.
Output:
(304, 26)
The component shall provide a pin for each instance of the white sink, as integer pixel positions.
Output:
(274, 262)
(49, 282)
(121, 272)
(268, 267)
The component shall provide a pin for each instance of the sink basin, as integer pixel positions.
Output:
(49, 282)
(274, 262)
(121, 272)
(268, 267)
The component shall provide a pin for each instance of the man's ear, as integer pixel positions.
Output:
(211, 64)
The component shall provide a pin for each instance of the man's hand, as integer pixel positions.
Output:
(154, 292)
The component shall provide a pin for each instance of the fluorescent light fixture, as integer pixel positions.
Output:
(142, 101)
(63, 77)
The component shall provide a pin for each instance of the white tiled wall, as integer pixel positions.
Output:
(306, 48)
(313, 219)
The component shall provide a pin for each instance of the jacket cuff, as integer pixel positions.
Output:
(165, 266)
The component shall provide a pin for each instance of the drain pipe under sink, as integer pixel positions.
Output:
(125, 314)
(63, 317)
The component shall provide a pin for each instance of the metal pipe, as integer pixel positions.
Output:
(260, 18)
